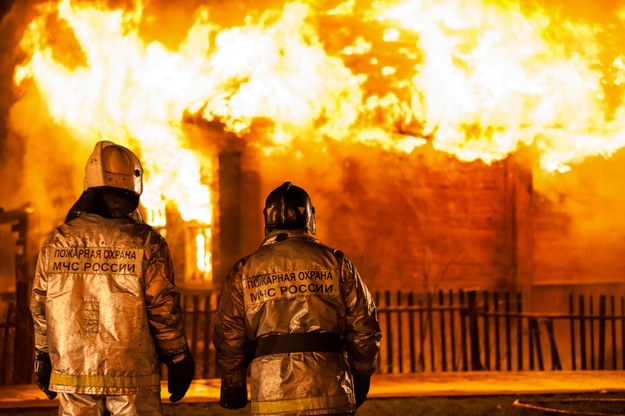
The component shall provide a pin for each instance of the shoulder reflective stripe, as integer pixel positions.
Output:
(104, 381)
(306, 403)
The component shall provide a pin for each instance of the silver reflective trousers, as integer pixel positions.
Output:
(147, 403)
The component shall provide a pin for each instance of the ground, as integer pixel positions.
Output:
(591, 404)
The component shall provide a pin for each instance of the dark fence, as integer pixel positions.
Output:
(437, 332)
(466, 331)
(475, 331)
(7, 337)
(200, 309)
(597, 336)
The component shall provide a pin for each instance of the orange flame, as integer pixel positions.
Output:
(474, 78)
(491, 78)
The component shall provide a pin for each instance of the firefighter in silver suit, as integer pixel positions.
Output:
(298, 313)
(104, 304)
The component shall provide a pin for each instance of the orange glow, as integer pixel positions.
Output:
(473, 78)
(202, 254)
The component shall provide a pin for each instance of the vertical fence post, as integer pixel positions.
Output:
(508, 333)
(613, 333)
(555, 357)
(602, 312)
(519, 330)
(530, 343)
(572, 331)
(452, 330)
(421, 337)
(430, 327)
(497, 334)
(582, 332)
(400, 339)
(591, 334)
(534, 344)
(411, 334)
(463, 332)
(622, 332)
(441, 314)
(389, 339)
(474, 336)
(486, 327)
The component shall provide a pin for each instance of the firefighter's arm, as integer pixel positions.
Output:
(166, 320)
(38, 303)
(231, 342)
(42, 365)
(162, 300)
(362, 334)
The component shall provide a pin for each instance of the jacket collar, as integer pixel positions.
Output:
(280, 235)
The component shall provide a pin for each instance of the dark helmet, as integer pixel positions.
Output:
(288, 207)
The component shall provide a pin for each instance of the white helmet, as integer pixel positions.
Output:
(113, 165)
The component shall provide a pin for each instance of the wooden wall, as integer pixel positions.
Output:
(423, 221)
(427, 221)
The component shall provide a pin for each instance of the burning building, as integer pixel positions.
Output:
(445, 144)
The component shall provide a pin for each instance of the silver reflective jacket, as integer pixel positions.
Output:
(104, 303)
(295, 284)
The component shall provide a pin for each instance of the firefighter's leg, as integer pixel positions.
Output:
(71, 404)
(144, 403)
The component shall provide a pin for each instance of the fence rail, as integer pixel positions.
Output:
(438, 332)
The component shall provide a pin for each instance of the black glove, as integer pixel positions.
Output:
(233, 397)
(180, 373)
(43, 371)
(361, 388)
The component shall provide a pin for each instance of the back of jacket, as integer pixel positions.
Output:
(104, 305)
(294, 284)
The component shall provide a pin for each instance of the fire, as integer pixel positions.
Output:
(476, 79)
(203, 255)
(493, 77)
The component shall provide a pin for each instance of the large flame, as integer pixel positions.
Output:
(474, 78)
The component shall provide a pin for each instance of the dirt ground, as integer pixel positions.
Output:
(591, 404)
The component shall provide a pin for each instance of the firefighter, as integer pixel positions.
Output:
(104, 304)
(299, 314)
